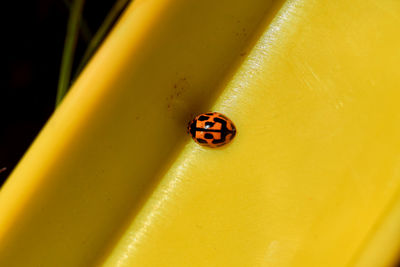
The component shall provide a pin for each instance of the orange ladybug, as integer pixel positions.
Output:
(211, 129)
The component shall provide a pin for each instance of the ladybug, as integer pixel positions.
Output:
(211, 129)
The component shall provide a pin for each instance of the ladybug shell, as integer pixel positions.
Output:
(212, 129)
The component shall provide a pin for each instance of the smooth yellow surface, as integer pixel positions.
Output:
(311, 179)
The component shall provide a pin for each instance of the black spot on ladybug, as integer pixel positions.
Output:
(210, 113)
(209, 136)
(203, 118)
(218, 141)
(220, 120)
(222, 116)
(201, 140)
(209, 124)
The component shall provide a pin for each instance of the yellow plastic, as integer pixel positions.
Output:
(311, 179)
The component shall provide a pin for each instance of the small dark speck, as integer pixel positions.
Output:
(203, 118)
(208, 136)
(242, 54)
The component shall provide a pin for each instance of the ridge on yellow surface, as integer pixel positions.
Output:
(311, 179)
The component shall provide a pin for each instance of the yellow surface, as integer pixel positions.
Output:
(311, 179)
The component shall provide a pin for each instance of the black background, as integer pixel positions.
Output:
(33, 35)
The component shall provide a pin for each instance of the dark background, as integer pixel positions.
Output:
(33, 34)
